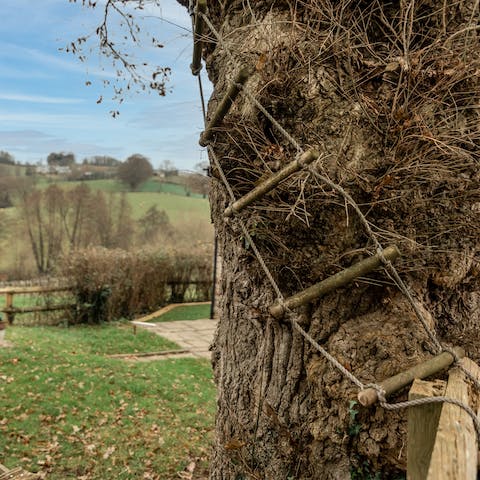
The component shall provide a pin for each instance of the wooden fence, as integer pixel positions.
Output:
(10, 310)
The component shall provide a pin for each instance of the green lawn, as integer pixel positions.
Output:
(185, 312)
(70, 412)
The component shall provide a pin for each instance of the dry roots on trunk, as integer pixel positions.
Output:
(388, 93)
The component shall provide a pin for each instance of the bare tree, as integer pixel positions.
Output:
(135, 170)
(154, 223)
(61, 221)
(41, 215)
(197, 183)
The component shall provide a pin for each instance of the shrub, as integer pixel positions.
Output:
(110, 284)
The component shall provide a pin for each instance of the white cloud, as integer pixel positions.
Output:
(32, 118)
(18, 97)
(48, 60)
(20, 73)
(32, 145)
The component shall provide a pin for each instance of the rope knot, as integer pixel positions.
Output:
(196, 71)
(381, 393)
(453, 353)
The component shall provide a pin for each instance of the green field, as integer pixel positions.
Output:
(178, 208)
(189, 215)
(166, 196)
(111, 185)
(69, 411)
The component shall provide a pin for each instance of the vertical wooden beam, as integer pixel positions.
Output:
(201, 9)
(422, 427)
(9, 304)
(454, 455)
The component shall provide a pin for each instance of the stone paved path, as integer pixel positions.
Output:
(192, 335)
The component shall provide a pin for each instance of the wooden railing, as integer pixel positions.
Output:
(10, 310)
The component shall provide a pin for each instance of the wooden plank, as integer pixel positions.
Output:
(393, 384)
(454, 455)
(269, 184)
(422, 427)
(35, 289)
(338, 280)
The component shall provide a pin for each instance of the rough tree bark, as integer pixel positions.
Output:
(388, 93)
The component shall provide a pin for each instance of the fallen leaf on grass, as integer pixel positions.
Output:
(108, 452)
(91, 449)
(187, 473)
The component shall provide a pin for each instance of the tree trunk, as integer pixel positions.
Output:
(388, 94)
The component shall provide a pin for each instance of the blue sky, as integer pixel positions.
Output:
(46, 106)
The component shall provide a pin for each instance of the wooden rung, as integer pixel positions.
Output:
(393, 384)
(422, 427)
(225, 105)
(454, 454)
(269, 184)
(338, 280)
(200, 10)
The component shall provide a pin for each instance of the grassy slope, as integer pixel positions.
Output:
(67, 410)
(168, 197)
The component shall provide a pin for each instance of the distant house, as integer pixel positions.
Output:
(52, 170)
(62, 170)
(167, 173)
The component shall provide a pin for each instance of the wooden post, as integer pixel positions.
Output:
(336, 281)
(422, 427)
(269, 184)
(393, 384)
(9, 304)
(454, 455)
(196, 65)
(3, 326)
(224, 106)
